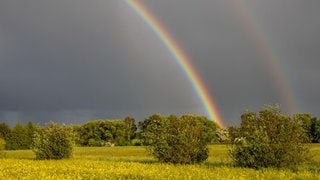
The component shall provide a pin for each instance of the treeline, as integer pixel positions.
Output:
(127, 131)
(101, 132)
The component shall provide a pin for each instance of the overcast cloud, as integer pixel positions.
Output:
(75, 60)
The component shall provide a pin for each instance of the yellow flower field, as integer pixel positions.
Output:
(136, 163)
(92, 169)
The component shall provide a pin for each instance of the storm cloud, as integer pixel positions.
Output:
(76, 60)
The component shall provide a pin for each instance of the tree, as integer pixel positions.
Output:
(131, 128)
(53, 142)
(315, 130)
(233, 133)
(210, 129)
(30, 130)
(305, 122)
(310, 125)
(178, 140)
(102, 132)
(20, 137)
(4, 130)
(269, 139)
(17, 138)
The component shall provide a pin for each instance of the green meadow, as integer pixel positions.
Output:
(134, 162)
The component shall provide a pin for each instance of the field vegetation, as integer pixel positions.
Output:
(266, 145)
(135, 162)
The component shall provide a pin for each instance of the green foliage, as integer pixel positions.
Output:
(131, 128)
(233, 133)
(210, 130)
(20, 137)
(178, 140)
(53, 142)
(315, 130)
(222, 136)
(305, 122)
(103, 132)
(269, 139)
(311, 127)
(4, 130)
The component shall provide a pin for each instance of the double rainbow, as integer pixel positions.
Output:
(180, 57)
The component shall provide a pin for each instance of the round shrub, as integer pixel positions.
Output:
(53, 142)
(270, 139)
(176, 140)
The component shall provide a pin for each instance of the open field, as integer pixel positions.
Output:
(135, 163)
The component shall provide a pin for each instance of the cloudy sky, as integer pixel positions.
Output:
(75, 60)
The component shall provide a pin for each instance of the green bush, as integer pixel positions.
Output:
(269, 139)
(176, 140)
(53, 142)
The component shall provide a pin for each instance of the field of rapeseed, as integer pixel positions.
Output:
(135, 163)
(87, 169)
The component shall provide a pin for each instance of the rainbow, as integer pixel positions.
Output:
(268, 53)
(180, 57)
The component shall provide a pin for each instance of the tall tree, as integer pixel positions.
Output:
(131, 127)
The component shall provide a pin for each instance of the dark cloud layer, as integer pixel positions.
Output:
(75, 60)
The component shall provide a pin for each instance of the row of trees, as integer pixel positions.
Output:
(19, 137)
(99, 132)
(128, 132)
(93, 133)
(55, 141)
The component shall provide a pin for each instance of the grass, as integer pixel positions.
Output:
(134, 162)
(118, 153)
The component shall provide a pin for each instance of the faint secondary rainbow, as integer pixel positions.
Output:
(268, 53)
(179, 56)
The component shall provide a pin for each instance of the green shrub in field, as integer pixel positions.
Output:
(269, 139)
(53, 142)
(176, 140)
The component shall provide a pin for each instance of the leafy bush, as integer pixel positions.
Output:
(176, 140)
(269, 140)
(53, 142)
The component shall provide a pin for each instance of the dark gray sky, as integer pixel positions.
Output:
(75, 60)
